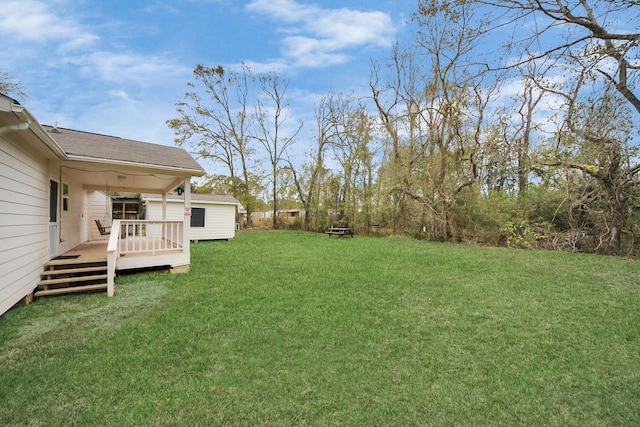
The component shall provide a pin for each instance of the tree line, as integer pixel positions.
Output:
(505, 123)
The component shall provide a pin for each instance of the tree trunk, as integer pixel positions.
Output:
(275, 197)
(614, 240)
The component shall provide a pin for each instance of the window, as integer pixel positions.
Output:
(53, 201)
(65, 197)
(197, 217)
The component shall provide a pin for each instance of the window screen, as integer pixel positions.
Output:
(197, 217)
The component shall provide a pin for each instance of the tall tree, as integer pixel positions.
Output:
(216, 113)
(353, 151)
(399, 97)
(603, 31)
(595, 141)
(507, 151)
(593, 45)
(432, 107)
(271, 116)
(325, 112)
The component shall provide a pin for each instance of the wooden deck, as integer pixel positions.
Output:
(92, 265)
(97, 249)
(134, 253)
(92, 250)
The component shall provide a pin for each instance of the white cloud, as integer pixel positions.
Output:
(34, 21)
(277, 66)
(119, 93)
(161, 6)
(316, 36)
(124, 67)
(312, 52)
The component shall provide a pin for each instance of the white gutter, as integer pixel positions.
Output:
(29, 122)
(193, 200)
(186, 172)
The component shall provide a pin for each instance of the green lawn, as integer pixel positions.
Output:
(294, 329)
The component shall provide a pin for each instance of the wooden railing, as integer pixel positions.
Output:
(149, 237)
(140, 237)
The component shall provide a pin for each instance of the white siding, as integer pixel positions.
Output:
(98, 206)
(24, 222)
(73, 224)
(219, 222)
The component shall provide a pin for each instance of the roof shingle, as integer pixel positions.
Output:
(105, 147)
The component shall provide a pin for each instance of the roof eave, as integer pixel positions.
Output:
(25, 116)
(207, 202)
(154, 198)
(173, 170)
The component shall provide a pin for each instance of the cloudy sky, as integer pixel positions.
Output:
(118, 67)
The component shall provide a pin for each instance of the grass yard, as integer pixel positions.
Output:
(294, 329)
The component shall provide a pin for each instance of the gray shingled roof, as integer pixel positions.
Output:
(104, 147)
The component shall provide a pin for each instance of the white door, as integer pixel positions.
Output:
(53, 219)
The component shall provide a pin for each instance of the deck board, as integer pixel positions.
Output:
(91, 250)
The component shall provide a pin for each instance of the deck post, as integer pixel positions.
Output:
(164, 206)
(112, 257)
(186, 229)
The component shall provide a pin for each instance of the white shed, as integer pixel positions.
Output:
(213, 217)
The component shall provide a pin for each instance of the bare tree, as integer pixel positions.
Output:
(10, 86)
(594, 31)
(216, 113)
(271, 115)
(595, 46)
(432, 107)
(595, 142)
(399, 98)
(325, 111)
(507, 153)
(353, 150)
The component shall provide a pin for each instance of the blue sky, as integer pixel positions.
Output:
(118, 67)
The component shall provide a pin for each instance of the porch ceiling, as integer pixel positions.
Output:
(121, 178)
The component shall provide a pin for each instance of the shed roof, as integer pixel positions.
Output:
(112, 148)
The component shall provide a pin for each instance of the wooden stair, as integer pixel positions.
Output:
(63, 276)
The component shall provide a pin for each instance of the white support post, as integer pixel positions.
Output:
(164, 206)
(113, 252)
(186, 230)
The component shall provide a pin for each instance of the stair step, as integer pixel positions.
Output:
(74, 270)
(72, 279)
(59, 291)
(75, 261)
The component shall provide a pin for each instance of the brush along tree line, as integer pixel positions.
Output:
(530, 141)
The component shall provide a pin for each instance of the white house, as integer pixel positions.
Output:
(284, 215)
(213, 217)
(52, 184)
